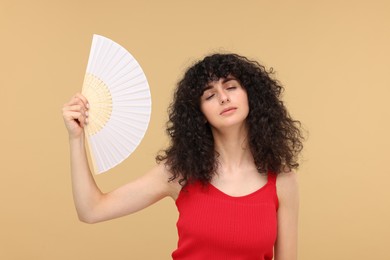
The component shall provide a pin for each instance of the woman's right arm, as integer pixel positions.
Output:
(91, 204)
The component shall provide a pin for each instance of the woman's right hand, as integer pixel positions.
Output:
(75, 114)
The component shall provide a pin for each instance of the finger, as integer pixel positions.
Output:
(82, 98)
(78, 117)
(70, 110)
(76, 108)
(72, 115)
(82, 120)
(76, 101)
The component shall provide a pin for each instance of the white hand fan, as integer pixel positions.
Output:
(120, 104)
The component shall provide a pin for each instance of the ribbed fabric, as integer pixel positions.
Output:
(214, 225)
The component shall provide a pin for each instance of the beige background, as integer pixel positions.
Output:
(333, 57)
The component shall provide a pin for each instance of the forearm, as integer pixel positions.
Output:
(86, 194)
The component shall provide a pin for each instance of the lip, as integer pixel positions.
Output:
(227, 110)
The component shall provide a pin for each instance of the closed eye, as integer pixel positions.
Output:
(210, 97)
(231, 88)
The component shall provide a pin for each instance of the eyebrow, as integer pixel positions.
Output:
(227, 79)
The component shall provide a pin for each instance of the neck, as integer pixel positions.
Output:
(232, 147)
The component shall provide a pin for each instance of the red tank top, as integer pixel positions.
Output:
(214, 225)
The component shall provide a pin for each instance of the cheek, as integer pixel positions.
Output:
(207, 111)
(203, 109)
(245, 100)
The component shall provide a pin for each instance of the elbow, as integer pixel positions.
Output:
(91, 212)
(87, 218)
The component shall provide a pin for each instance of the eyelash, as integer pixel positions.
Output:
(209, 97)
(228, 88)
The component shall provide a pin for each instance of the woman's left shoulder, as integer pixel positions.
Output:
(287, 185)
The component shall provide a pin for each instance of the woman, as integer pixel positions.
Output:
(229, 167)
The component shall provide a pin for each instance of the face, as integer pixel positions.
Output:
(224, 103)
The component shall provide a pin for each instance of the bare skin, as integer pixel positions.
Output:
(225, 111)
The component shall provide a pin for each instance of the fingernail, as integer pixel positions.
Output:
(87, 105)
(86, 113)
(86, 121)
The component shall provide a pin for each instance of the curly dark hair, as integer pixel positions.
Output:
(275, 139)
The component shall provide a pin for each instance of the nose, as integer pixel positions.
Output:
(223, 97)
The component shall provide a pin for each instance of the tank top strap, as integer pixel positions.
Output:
(272, 177)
